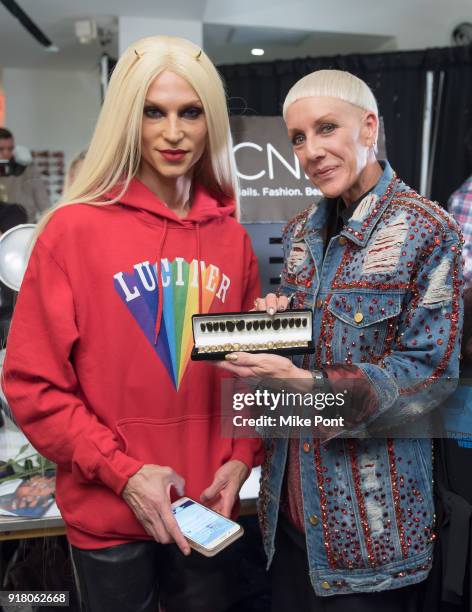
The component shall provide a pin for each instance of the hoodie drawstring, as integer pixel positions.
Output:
(160, 296)
(200, 288)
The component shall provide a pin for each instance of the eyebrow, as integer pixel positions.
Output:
(194, 102)
(323, 119)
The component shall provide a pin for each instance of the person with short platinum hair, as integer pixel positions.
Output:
(347, 512)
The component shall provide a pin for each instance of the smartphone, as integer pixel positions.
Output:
(207, 531)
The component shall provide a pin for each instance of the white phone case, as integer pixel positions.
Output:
(226, 542)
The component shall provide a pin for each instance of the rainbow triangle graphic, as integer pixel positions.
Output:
(180, 301)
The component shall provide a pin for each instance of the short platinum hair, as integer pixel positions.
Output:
(335, 84)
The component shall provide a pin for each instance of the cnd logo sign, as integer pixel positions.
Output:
(273, 185)
(267, 156)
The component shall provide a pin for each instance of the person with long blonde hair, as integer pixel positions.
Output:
(98, 371)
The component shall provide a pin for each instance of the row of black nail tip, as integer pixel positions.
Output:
(242, 325)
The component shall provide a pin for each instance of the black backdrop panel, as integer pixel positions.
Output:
(266, 240)
(452, 164)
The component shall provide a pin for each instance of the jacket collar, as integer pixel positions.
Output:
(362, 222)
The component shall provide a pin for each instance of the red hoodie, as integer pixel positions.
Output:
(98, 371)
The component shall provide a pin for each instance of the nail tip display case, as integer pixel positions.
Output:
(284, 333)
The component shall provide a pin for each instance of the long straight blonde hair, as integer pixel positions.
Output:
(114, 153)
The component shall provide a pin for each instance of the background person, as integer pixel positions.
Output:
(98, 371)
(21, 184)
(460, 207)
(349, 523)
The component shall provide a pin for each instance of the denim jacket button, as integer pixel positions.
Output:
(343, 240)
(325, 585)
(306, 447)
(314, 520)
(319, 303)
(358, 317)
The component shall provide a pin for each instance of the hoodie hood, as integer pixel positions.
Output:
(204, 206)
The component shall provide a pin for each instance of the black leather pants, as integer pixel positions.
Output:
(140, 576)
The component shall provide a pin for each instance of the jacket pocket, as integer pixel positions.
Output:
(364, 324)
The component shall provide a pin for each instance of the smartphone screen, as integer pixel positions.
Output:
(202, 525)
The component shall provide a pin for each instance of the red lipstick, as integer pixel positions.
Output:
(173, 155)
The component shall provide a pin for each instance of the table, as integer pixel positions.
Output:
(16, 528)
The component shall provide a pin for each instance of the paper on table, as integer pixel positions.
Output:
(6, 488)
(31, 498)
(10, 486)
(52, 512)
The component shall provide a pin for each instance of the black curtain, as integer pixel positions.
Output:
(452, 163)
(398, 81)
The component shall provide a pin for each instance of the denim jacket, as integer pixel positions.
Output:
(387, 300)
